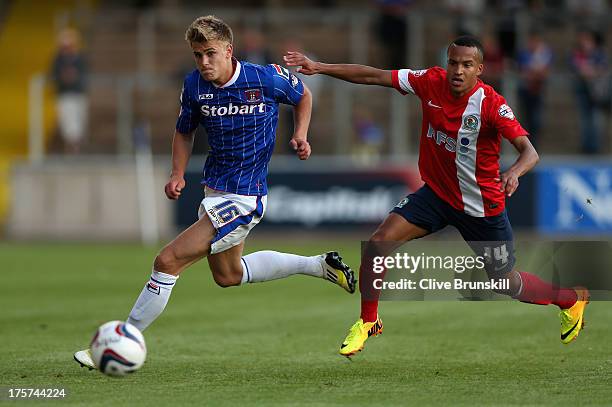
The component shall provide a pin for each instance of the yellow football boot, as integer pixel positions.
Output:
(358, 334)
(572, 319)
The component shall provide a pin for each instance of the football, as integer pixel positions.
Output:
(118, 348)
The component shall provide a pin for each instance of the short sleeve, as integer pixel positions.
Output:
(189, 116)
(288, 88)
(409, 80)
(504, 121)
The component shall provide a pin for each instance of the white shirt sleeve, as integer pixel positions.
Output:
(403, 81)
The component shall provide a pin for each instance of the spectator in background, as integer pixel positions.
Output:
(592, 85)
(253, 48)
(69, 73)
(493, 61)
(370, 137)
(587, 8)
(506, 22)
(391, 27)
(534, 62)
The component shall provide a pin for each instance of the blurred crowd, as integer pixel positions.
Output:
(524, 54)
(532, 60)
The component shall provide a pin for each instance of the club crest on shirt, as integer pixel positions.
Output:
(252, 95)
(505, 111)
(470, 122)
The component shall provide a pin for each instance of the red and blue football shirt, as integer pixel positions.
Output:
(460, 139)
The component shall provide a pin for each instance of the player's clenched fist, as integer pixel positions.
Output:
(508, 182)
(301, 148)
(305, 64)
(174, 187)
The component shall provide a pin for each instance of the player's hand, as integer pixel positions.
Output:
(174, 187)
(301, 148)
(508, 182)
(305, 65)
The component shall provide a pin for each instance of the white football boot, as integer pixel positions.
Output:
(83, 358)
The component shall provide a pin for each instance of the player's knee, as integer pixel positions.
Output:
(227, 276)
(166, 262)
(225, 281)
(514, 283)
(378, 245)
(501, 291)
(379, 236)
(511, 286)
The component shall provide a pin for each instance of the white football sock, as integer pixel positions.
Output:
(269, 265)
(152, 300)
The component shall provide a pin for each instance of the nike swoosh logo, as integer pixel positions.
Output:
(432, 105)
(565, 335)
(344, 345)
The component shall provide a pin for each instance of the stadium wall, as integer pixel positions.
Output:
(98, 199)
(89, 199)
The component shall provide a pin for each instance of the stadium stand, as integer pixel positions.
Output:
(119, 57)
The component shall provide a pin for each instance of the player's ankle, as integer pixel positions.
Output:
(369, 317)
(369, 310)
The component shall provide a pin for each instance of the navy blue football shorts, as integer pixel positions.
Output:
(490, 237)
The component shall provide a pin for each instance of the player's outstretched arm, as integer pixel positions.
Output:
(363, 74)
(301, 119)
(181, 151)
(527, 159)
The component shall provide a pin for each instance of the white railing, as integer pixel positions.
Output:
(36, 135)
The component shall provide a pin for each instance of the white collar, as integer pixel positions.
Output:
(234, 77)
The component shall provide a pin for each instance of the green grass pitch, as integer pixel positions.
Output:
(275, 343)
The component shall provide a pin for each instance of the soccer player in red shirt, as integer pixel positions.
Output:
(464, 121)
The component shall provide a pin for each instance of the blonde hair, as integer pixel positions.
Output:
(209, 28)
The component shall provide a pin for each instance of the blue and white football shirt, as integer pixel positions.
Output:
(240, 118)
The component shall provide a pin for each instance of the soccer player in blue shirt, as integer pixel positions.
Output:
(237, 103)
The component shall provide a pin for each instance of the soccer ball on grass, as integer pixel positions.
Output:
(118, 348)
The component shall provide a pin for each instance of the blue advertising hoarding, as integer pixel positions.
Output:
(319, 199)
(564, 198)
(342, 199)
(574, 199)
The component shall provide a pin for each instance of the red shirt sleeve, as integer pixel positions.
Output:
(504, 121)
(409, 81)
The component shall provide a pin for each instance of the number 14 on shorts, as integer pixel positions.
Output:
(500, 254)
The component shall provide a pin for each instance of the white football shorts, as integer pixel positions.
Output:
(232, 215)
